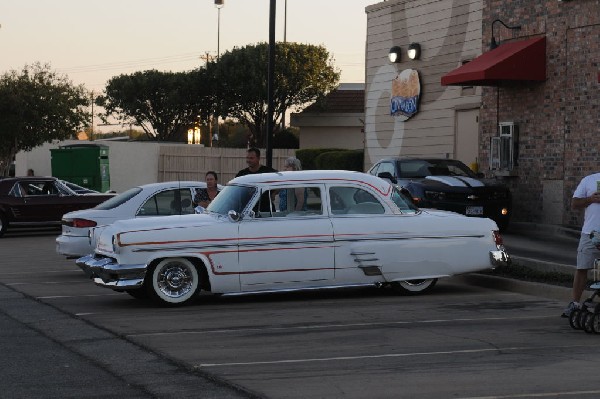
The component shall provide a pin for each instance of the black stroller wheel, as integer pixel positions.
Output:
(586, 322)
(574, 319)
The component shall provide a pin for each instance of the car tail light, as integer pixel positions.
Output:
(497, 238)
(79, 223)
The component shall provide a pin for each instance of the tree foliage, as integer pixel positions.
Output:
(303, 73)
(163, 104)
(37, 106)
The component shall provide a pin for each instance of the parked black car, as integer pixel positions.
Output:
(40, 201)
(450, 185)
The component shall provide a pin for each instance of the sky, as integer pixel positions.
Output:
(92, 41)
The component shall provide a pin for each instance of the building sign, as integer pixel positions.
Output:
(406, 91)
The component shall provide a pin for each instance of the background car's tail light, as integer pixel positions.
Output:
(79, 223)
(497, 238)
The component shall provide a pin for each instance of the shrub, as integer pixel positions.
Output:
(307, 156)
(341, 160)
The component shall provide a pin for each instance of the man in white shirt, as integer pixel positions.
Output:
(587, 197)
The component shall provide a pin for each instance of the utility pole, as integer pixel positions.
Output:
(92, 126)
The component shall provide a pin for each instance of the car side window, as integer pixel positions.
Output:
(293, 201)
(353, 201)
(387, 167)
(39, 188)
(160, 204)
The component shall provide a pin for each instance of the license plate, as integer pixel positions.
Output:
(474, 210)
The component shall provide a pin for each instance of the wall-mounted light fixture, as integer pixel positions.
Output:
(495, 44)
(395, 53)
(414, 51)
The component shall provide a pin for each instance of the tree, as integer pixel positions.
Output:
(163, 104)
(303, 73)
(37, 106)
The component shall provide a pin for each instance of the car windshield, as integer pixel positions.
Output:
(231, 198)
(415, 168)
(117, 200)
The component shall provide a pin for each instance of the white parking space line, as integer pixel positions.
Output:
(47, 282)
(75, 296)
(536, 395)
(388, 355)
(37, 273)
(343, 325)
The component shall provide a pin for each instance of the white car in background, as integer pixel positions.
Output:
(155, 199)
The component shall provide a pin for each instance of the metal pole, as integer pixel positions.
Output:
(270, 84)
(219, 4)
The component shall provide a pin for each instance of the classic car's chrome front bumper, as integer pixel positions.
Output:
(500, 258)
(107, 273)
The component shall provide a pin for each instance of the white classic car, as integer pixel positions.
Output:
(334, 229)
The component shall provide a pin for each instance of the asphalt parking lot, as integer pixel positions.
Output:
(460, 341)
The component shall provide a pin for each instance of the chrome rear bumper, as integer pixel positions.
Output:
(107, 273)
(500, 258)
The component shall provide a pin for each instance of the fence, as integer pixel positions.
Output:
(189, 162)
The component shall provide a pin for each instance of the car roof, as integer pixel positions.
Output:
(312, 176)
(169, 184)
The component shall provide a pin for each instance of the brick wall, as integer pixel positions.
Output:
(559, 120)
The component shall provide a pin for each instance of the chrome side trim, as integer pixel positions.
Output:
(324, 287)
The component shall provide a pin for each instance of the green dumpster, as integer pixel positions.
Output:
(83, 164)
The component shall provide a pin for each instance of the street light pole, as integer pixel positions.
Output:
(270, 84)
(219, 4)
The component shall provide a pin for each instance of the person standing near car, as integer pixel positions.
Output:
(204, 196)
(300, 194)
(587, 197)
(254, 166)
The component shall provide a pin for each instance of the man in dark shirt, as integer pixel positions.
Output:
(254, 166)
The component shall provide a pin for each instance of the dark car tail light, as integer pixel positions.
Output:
(79, 223)
(497, 238)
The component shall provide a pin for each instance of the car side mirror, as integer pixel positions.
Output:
(233, 216)
(388, 176)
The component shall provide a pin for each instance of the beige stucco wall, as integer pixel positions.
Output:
(330, 130)
(449, 32)
(350, 138)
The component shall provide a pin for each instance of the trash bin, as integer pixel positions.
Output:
(83, 164)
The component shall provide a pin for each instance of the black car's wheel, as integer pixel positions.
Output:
(173, 281)
(414, 287)
(3, 224)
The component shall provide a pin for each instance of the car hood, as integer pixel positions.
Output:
(456, 182)
(130, 230)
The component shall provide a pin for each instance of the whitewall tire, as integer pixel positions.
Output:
(173, 281)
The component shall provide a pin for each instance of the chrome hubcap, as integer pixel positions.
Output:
(175, 280)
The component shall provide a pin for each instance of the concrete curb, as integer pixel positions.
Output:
(543, 266)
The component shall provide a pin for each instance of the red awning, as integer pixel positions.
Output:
(513, 61)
